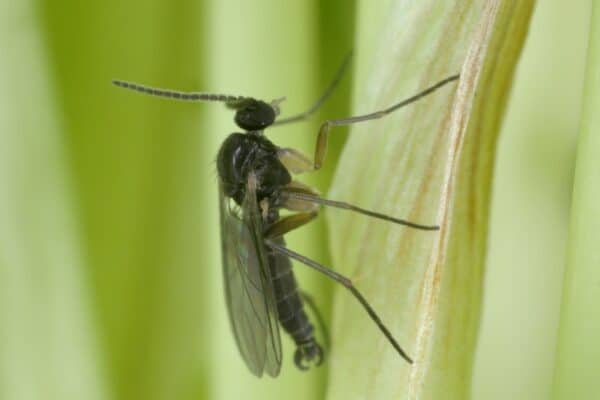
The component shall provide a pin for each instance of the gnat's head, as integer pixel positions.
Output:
(250, 114)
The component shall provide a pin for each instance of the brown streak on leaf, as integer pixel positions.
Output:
(461, 112)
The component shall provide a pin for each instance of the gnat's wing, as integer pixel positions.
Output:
(249, 292)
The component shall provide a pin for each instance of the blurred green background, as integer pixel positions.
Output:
(110, 276)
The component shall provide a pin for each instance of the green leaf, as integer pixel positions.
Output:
(578, 355)
(430, 163)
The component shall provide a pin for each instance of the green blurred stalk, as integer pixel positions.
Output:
(253, 50)
(49, 347)
(138, 185)
(268, 49)
(531, 198)
(577, 375)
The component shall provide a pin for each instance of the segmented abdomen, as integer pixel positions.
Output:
(289, 303)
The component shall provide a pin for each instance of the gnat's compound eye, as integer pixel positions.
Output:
(255, 115)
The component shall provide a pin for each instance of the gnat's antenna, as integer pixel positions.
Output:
(173, 94)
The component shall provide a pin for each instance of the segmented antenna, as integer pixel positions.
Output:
(173, 94)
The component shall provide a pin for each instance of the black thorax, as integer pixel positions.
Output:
(242, 153)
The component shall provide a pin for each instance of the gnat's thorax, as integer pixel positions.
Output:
(241, 154)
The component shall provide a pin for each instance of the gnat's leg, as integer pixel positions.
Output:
(293, 196)
(304, 115)
(294, 161)
(321, 147)
(348, 285)
(287, 224)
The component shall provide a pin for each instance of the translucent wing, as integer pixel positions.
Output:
(249, 291)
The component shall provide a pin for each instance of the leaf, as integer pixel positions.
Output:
(578, 353)
(431, 162)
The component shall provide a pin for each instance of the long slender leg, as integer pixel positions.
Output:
(303, 196)
(348, 285)
(304, 115)
(321, 147)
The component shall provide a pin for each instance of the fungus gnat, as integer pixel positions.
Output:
(255, 183)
